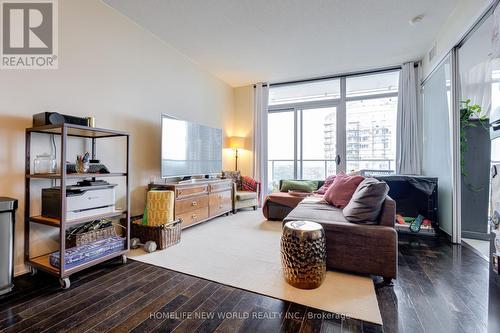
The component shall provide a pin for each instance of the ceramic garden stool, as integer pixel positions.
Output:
(303, 254)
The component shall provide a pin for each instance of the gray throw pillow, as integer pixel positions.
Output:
(366, 202)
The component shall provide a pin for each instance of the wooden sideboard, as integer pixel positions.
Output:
(199, 201)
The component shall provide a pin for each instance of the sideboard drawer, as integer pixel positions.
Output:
(183, 192)
(221, 186)
(192, 217)
(187, 205)
(220, 203)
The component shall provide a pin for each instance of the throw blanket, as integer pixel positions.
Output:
(285, 199)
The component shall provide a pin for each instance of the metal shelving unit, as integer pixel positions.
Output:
(65, 131)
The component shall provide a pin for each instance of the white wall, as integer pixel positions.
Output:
(110, 68)
(460, 21)
(243, 126)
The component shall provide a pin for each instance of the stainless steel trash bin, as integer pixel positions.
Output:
(8, 208)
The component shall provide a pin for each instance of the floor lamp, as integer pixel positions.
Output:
(236, 142)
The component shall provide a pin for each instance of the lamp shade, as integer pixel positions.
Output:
(236, 142)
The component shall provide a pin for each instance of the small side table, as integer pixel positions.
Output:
(303, 254)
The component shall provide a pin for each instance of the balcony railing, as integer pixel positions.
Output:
(317, 168)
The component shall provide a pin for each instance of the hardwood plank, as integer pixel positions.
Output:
(69, 295)
(240, 312)
(265, 315)
(221, 312)
(54, 295)
(194, 301)
(293, 318)
(129, 301)
(312, 321)
(66, 299)
(157, 277)
(132, 315)
(27, 287)
(204, 311)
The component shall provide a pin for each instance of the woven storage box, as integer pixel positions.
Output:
(164, 235)
(90, 236)
(160, 207)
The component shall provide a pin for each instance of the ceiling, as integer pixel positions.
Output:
(248, 41)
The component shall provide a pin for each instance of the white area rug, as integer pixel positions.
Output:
(243, 251)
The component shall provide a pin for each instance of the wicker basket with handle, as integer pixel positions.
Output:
(164, 235)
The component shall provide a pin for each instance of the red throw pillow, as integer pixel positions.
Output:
(328, 182)
(340, 192)
(248, 184)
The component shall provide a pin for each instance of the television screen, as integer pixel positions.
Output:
(189, 149)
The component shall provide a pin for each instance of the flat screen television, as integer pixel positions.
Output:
(189, 149)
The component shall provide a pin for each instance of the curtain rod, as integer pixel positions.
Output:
(327, 77)
(334, 76)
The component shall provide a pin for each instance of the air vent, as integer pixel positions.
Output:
(432, 53)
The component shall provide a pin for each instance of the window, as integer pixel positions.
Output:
(305, 92)
(281, 147)
(373, 84)
(371, 134)
(316, 129)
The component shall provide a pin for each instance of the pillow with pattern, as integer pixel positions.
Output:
(234, 175)
(248, 184)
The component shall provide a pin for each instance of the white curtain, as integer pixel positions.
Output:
(409, 123)
(261, 95)
(476, 85)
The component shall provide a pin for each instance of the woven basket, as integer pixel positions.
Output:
(90, 236)
(164, 235)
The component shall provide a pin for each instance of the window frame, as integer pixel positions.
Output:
(340, 104)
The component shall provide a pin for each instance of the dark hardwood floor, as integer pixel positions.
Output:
(441, 288)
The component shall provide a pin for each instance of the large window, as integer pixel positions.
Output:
(318, 128)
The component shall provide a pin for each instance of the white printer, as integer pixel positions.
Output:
(86, 199)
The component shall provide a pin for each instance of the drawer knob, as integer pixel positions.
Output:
(194, 203)
(220, 206)
(194, 216)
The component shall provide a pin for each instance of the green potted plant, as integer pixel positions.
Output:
(466, 112)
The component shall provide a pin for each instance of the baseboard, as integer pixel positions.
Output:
(475, 235)
(21, 270)
(473, 249)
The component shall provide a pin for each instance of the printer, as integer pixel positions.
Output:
(85, 199)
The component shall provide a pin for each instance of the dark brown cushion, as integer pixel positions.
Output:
(366, 202)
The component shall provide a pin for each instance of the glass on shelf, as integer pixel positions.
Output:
(44, 164)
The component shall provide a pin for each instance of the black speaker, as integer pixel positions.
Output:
(54, 118)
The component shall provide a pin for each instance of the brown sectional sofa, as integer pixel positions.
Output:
(359, 248)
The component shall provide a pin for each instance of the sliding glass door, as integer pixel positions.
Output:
(318, 148)
(282, 146)
(302, 144)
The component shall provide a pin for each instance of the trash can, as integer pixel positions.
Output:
(8, 208)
